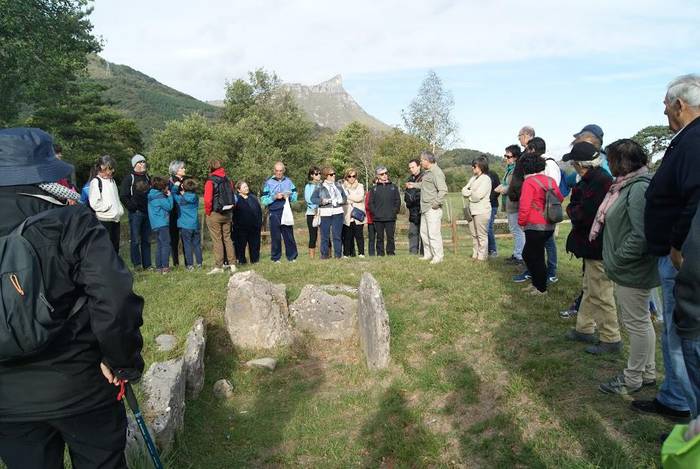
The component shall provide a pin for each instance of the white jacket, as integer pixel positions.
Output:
(552, 169)
(106, 204)
(478, 191)
(356, 199)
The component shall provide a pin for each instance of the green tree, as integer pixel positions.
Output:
(654, 138)
(43, 48)
(429, 115)
(396, 148)
(86, 127)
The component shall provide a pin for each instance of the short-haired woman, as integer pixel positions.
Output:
(103, 197)
(353, 227)
(627, 262)
(478, 191)
(512, 153)
(314, 179)
(177, 174)
(330, 198)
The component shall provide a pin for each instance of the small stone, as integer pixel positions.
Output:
(268, 363)
(166, 342)
(223, 389)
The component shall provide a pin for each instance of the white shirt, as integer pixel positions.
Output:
(552, 169)
(106, 205)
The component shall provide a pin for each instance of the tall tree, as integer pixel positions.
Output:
(43, 47)
(654, 138)
(429, 115)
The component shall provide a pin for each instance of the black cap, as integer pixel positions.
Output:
(582, 151)
(27, 157)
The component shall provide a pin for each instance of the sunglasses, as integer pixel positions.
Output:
(352, 176)
(315, 173)
(331, 174)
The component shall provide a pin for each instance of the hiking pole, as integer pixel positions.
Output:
(133, 403)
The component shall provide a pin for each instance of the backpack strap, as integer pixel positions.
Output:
(131, 189)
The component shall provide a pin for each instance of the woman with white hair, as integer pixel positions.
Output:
(177, 175)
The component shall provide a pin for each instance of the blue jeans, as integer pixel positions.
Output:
(691, 355)
(192, 244)
(278, 232)
(675, 392)
(518, 235)
(140, 239)
(333, 224)
(162, 247)
(492, 235)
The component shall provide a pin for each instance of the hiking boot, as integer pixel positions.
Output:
(655, 407)
(527, 288)
(536, 292)
(568, 313)
(575, 335)
(552, 279)
(520, 278)
(617, 385)
(605, 347)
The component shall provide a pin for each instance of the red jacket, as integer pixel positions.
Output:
(531, 212)
(368, 212)
(209, 190)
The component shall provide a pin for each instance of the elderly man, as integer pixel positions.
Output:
(136, 204)
(672, 200)
(276, 191)
(384, 203)
(433, 190)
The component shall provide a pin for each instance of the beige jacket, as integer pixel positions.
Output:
(478, 191)
(356, 198)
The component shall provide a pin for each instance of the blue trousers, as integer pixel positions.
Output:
(492, 234)
(162, 247)
(691, 355)
(518, 235)
(279, 232)
(676, 391)
(140, 239)
(192, 245)
(333, 224)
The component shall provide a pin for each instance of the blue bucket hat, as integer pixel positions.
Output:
(27, 157)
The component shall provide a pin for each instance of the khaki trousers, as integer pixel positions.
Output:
(633, 304)
(479, 229)
(219, 225)
(597, 304)
(431, 233)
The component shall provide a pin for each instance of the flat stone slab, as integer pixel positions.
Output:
(373, 322)
(325, 316)
(267, 363)
(166, 342)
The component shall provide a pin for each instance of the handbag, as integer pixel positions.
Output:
(357, 214)
(466, 209)
(287, 216)
(316, 222)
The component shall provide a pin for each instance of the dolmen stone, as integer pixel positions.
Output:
(164, 386)
(166, 342)
(223, 389)
(195, 346)
(325, 316)
(257, 315)
(373, 322)
(267, 363)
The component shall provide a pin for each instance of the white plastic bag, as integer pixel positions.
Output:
(287, 217)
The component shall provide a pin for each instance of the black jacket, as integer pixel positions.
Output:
(247, 213)
(495, 182)
(672, 196)
(412, 199)
(586, 197)
(385, 202)
(77, 258)
(687, 290)
(132, 199)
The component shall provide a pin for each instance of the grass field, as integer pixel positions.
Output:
(480, 376)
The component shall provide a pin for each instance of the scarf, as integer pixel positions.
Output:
(610, 198)
(336, 196)
(59, 191)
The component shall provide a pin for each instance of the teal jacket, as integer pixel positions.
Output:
(625, 255)
(159, 207)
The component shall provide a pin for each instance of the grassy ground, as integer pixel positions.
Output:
(480, 376)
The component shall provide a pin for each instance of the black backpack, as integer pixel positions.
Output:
(223, 194)
(553, 211)
(28, 322)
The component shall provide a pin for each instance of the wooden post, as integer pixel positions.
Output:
(454, 235)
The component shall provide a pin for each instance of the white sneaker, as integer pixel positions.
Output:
(436, 260)
(215, 270)
(233, 268)
(361, 256)
(425, 258)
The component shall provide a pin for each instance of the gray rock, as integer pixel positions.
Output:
(166, 342)
(373, 323)
(268, 363)
(195, 345)
(164, 386)
(338, 289)
(256, 313)
(325, 316)
(223, 389)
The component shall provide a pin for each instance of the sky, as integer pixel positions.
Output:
(554, 65)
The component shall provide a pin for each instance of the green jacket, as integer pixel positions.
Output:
(625, 256)
(433, 188)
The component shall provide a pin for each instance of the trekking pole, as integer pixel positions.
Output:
(133, 403)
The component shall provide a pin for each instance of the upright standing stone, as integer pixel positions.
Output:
(195, 345)
(373, 322)
(164, 386)
(256, 313)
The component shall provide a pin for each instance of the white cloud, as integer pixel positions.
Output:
(196, 46)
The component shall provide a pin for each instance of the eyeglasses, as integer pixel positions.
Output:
(331, 174)
(315, 173)
(352, 176)
(382, 174)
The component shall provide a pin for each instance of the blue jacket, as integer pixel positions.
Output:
(159, 207)
(188, 215)
(308, 192)
(85, 193)
(272, 187)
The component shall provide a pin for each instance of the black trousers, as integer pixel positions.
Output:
(385, 229)
(533, 255)
(313, 231)
(95, 440)
(371, 239)
(112, 228)
(247, 236)
(353, 234)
